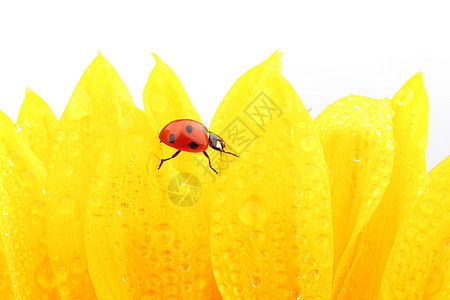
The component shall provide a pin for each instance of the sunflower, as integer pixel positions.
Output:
(336, 208)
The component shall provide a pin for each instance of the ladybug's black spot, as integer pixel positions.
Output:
(171, 138)
(193, 145)
(189, 128)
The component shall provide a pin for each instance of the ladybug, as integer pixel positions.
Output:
(190, 136)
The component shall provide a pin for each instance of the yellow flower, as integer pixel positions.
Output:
(336, 208)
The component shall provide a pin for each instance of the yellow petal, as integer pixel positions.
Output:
(421, 238)
(38, 125)
(6, 285)
(91, 113)
(165, 99)
(438, 283)
(271, 235)
(26, 272)
(140, 243)
(357, 137)
(410, 125)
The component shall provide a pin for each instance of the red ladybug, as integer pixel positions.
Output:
(190, 136)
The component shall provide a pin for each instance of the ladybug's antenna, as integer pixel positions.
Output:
(230, 153)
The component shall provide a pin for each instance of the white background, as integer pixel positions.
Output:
(331, 49)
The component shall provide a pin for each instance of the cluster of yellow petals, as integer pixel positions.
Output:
(339, 207)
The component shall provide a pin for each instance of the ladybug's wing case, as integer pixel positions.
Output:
(186, 135)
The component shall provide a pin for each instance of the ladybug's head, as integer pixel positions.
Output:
(216, 142)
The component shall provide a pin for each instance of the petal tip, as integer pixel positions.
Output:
(156, 57)
(276, 56)
(28, 92)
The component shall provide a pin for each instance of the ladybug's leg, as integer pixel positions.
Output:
(206, 154)
(164, 159)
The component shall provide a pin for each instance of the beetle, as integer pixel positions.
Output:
(190, 136)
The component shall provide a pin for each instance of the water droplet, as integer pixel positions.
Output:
(256, 282)
(37, 207)
(29, 122)
(184, 267)
(411, 231)
(201, 230)
(74, 135)
(385, 166)
(309, 170)
(44, 275)
(187, 287)
(126, 122)
(295, 294)
(421, 237)
(77, 265)
(289, 129)
(357, 156)
(252, 214)
(237, 290)
(67, 168)
(66, 205)
(308, 143)
(375, 190)
(27, 178)
(18, 128)
(257, 236)
(164, 234)
(322, 241)
(94, 200)
(200, 283)
(216, 228)
(404, 96)
(427, 207)
(62, 272)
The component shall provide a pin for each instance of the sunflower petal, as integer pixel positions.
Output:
(271, 235)
(140, 243)
(91, 113)
(421, 238)
(410, 125)
(24, 254)
(438, 283)
(357, 137)
(38, 125)
(166, 100)
(165, 97)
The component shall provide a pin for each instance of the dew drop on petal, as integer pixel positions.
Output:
(67, 168)
(308, 143)
(404, 96)
(322, 241)
(66, 205)
(427, 207)
(44, 275)
(252, 214)
(94, 200)
(26, 178)
(256, 282)
(184, 267)
(257, 236)
(61, 272)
